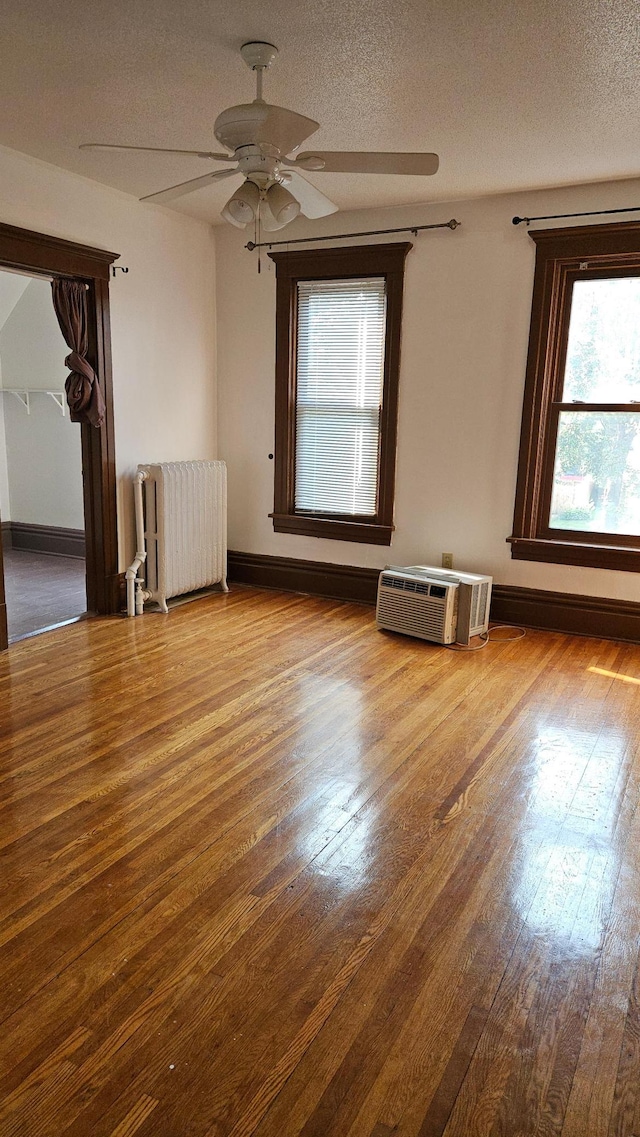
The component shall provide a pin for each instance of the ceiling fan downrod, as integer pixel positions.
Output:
(258, 56)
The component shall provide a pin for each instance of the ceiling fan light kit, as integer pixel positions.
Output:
(263, 140)
(243, 205)
(282, 204)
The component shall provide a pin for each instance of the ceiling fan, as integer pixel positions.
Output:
(264, 140)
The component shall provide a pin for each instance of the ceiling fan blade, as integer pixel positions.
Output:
(187, 187)
(285, 129)
(364, 162)
(156, 150)
(312, 202)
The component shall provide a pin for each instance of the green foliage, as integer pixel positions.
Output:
(598, 443)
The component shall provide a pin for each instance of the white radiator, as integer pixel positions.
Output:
(185, 527)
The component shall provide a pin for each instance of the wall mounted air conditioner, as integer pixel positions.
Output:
(433, 604)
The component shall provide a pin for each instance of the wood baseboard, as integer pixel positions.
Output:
(51, 539)
(338, 582)
(531, 607)
(567, 612)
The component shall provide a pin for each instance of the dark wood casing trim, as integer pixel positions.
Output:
(562, 257)
(322, 264)
(52, 539)
(41, 253)
(557, 552)
(4, 633)
(333, 529)
(531, 607)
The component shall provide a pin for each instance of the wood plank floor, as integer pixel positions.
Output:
(268, 871)
(42, 590)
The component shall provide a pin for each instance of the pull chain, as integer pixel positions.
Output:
(258, 233)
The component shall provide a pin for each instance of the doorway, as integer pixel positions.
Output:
(41, 501)
(94, 507)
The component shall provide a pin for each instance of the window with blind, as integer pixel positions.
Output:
(337, 360)
(339, 381)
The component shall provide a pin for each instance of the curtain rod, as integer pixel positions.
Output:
(452, 224)
(560, 216)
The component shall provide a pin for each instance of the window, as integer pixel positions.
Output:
(338, 315)
(578, 495)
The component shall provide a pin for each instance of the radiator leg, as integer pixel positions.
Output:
(225, 586)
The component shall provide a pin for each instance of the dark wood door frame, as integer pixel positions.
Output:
(38, 253)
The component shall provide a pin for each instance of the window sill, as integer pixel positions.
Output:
(618, 557)
(363, 532)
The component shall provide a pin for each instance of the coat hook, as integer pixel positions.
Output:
(116, 268)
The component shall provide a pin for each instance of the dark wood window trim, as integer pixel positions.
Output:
(323, 264)
(52, 256)
(562, 257)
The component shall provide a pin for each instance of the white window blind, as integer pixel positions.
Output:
(339, 383)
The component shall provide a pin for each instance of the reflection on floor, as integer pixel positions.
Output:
(269, 872)
(42, 590)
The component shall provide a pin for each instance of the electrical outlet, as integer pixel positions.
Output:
(447, 560)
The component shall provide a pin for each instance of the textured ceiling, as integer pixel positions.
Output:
(511, 95)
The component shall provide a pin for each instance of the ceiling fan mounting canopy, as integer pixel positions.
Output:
(257, 53)
(262, 138)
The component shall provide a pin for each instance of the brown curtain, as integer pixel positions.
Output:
(86, 403)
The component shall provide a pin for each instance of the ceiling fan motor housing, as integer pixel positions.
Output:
(241, 125)
(260, 163)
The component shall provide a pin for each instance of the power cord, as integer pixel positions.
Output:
(487, 638)
(507, 639)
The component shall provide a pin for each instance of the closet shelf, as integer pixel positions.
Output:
(23, 395)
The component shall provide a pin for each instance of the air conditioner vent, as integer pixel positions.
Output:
(406, 585)
(402, 613)
(475, 605)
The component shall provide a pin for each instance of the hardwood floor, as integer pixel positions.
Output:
(42, 590)
(269, 871)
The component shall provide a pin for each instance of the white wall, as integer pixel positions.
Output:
(12, 285)
(32, 347)
(162, 312)
(464, 346)
(5, 505)
(44, 464)
(11, 289)
(43, 453)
